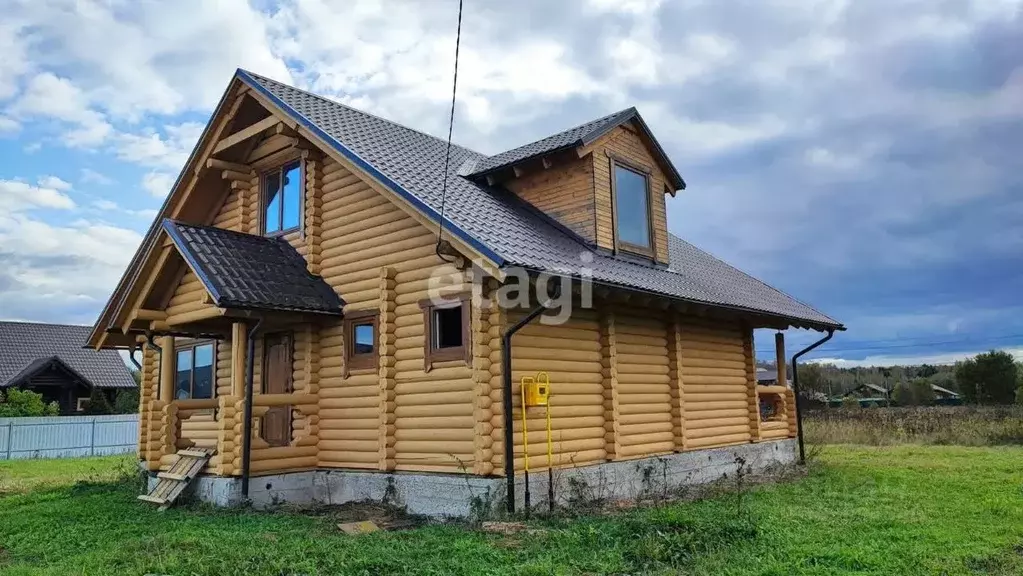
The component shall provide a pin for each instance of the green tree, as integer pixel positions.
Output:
(923, 394)
(903, 394)
(20, 403)
(126, 401)
(988, 378)
(98, 403)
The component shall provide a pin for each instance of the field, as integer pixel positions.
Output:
(953, 425)
(900, 510)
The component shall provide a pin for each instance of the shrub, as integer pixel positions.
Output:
(850, 403)
(989, 378)
(98, 403)
(126, 401)
(25, 403)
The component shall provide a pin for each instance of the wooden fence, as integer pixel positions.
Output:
(68, 436)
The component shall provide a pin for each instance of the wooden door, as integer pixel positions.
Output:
(276, 424)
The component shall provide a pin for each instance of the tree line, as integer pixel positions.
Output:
(989, 378)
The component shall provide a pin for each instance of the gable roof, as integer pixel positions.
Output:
(245, 271)
(581, 135)
(28, 347)
(503, 227)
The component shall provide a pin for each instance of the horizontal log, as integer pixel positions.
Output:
(298, 463)
(726, 440)
(722, 431)
(736, 421)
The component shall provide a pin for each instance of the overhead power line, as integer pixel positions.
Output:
(447, 152)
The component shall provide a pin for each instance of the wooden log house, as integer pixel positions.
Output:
(296, 255)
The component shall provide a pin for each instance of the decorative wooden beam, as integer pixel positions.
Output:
(225, 165)
(195, 316)
(144, 314)
(246, 133)
(238, 176)
(546, 162)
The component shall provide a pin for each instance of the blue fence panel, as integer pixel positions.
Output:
(68, 436)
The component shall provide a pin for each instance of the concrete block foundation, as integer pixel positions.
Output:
(459, 495)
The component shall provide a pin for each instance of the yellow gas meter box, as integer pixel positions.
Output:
(536, 390)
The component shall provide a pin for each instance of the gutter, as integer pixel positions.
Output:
(247, 426)
(795, 390)
(506, 397)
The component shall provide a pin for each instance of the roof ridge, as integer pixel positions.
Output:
(569, 129)
(363, 112)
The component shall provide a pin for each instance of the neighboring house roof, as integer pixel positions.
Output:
(503, 227)
(582, 135)
(764, 374)
(871, 387)
(27, 348)
(944, 391)
(246, 271)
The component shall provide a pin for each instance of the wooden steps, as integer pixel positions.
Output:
(174, 481)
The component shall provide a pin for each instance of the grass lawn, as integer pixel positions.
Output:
(894, 510)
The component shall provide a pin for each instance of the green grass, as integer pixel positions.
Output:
(900, 510)
(25, 475)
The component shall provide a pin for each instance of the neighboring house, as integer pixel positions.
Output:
(944, 393)
(769, 377)
(314, 227)
(868, 391)
(49, 359)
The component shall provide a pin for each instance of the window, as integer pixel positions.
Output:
(194, 371)
(632, 209)
(446, 330)
(82, 405)
(282, 196)
(361, 352)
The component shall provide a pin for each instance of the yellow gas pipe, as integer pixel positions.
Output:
(535, 393)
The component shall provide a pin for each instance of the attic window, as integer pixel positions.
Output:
(282, 199)
(446, 327)
(632, 209)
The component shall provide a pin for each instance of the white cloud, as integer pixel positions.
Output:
(50, 96)
(8, 124)
(88, 175)
(906, 360)
(15, 61)
(158, 184)
(16, 196)
(169, 150)
(55, 183)
(107, 205)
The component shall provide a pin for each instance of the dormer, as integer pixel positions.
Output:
(604, 181)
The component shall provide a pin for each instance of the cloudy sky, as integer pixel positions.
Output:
(863, 156)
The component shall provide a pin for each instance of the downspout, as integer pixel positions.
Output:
(795, 390)
(131, 357)
(506, 396)
(247, 426)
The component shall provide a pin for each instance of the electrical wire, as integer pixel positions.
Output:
(447, 153)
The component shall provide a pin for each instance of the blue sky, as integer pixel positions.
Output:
(862, 156)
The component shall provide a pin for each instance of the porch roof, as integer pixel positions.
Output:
(248, 272)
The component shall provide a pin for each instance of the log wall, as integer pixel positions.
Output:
(397, 416)
(564, 192)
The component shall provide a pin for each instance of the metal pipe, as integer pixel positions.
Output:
(795, 391)
(506, 396)
(131, 357)
(250, 368)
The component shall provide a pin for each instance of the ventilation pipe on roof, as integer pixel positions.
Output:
(506, 395)
(250, 368)
(795, 390)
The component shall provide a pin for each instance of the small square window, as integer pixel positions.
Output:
(194, 369)
(360, 332)
(363, 339)
(447, 327)
(447, 331)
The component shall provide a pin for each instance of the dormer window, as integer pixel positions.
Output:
(631, 189)
(282, 199)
